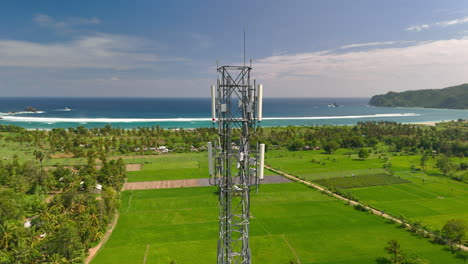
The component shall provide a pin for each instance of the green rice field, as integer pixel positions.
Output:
(426, 197)
(170, 167)
(361, 181)
(289, 222)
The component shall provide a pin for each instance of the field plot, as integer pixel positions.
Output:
(177, 166)
(314, 165)
(170, 167)
(289, 221)
(8, 149)
(360, 181)
(432, 200)
(428, 199)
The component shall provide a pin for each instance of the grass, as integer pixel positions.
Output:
(429, 197)
(8, 149)
(170, 167)
(288, 219)
(360, 181)
(175, 166)
(313, 165)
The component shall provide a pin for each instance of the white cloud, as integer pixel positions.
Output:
(452, 22)
(362, 73)
(103, 51)
(65, 25)
(374, 44)
(445, 23)
(418, 27)
(360, 45)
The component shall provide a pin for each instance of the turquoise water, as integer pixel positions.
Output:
(195, 112)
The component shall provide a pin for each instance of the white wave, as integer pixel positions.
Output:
(20, 113)
(340, 117)
(148, 120)
(98, 120)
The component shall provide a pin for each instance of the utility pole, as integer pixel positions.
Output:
(235, 166)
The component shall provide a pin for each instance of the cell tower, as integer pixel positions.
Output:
(235, 166)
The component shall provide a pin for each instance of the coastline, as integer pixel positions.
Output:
(425, 123)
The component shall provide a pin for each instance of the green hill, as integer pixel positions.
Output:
(455, 97)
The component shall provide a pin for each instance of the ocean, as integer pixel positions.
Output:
(196, 112)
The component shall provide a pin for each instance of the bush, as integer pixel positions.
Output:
(361, 208)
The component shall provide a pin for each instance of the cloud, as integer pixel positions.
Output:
(435, 64)
(99, 51)
(452, 22)
(374, 44)
(438, 24)
(66, 25)
(369, 44)
(418, 28)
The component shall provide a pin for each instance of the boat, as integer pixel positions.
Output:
(333, 105)
(66, 109)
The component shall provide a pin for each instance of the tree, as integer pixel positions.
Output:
(395, 251)
(363, 153)
(454, 231)
(65, 242)
(111, 200)
(39, 155)
(424, 159)
(10, 206)
(445, 165)
(296, 144)
(331, 146)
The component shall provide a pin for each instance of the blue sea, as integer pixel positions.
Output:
(195, 112)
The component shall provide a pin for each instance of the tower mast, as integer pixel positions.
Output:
(236, 168)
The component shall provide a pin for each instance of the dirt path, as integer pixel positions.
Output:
(128, 167)
(160, 184)
(374, 211)
(93, 251)
(189, 183)
(137, 156)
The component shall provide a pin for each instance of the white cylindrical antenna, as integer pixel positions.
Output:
(260, 102)
(252, 92)
(213, 103)
(210, 159)
(261, 161)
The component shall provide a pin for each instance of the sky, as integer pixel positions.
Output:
(314, 48)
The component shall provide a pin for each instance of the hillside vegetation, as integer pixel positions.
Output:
(455, 97)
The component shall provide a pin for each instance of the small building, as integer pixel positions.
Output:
(163, 149)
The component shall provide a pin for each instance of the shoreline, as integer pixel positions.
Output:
(425, 123)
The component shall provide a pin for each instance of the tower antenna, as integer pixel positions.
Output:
(235, 166)
(244, 46)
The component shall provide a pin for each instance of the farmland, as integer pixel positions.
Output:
(289, 221)
(170, 167)
(426, 196)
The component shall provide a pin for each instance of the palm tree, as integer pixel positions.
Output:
(57, 259)
(393, 249)
(39, 155)
(7, 230)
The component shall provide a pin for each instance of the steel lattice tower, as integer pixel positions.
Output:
(235, 168)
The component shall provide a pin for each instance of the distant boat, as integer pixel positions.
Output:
(66, 109)
(333, 105)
